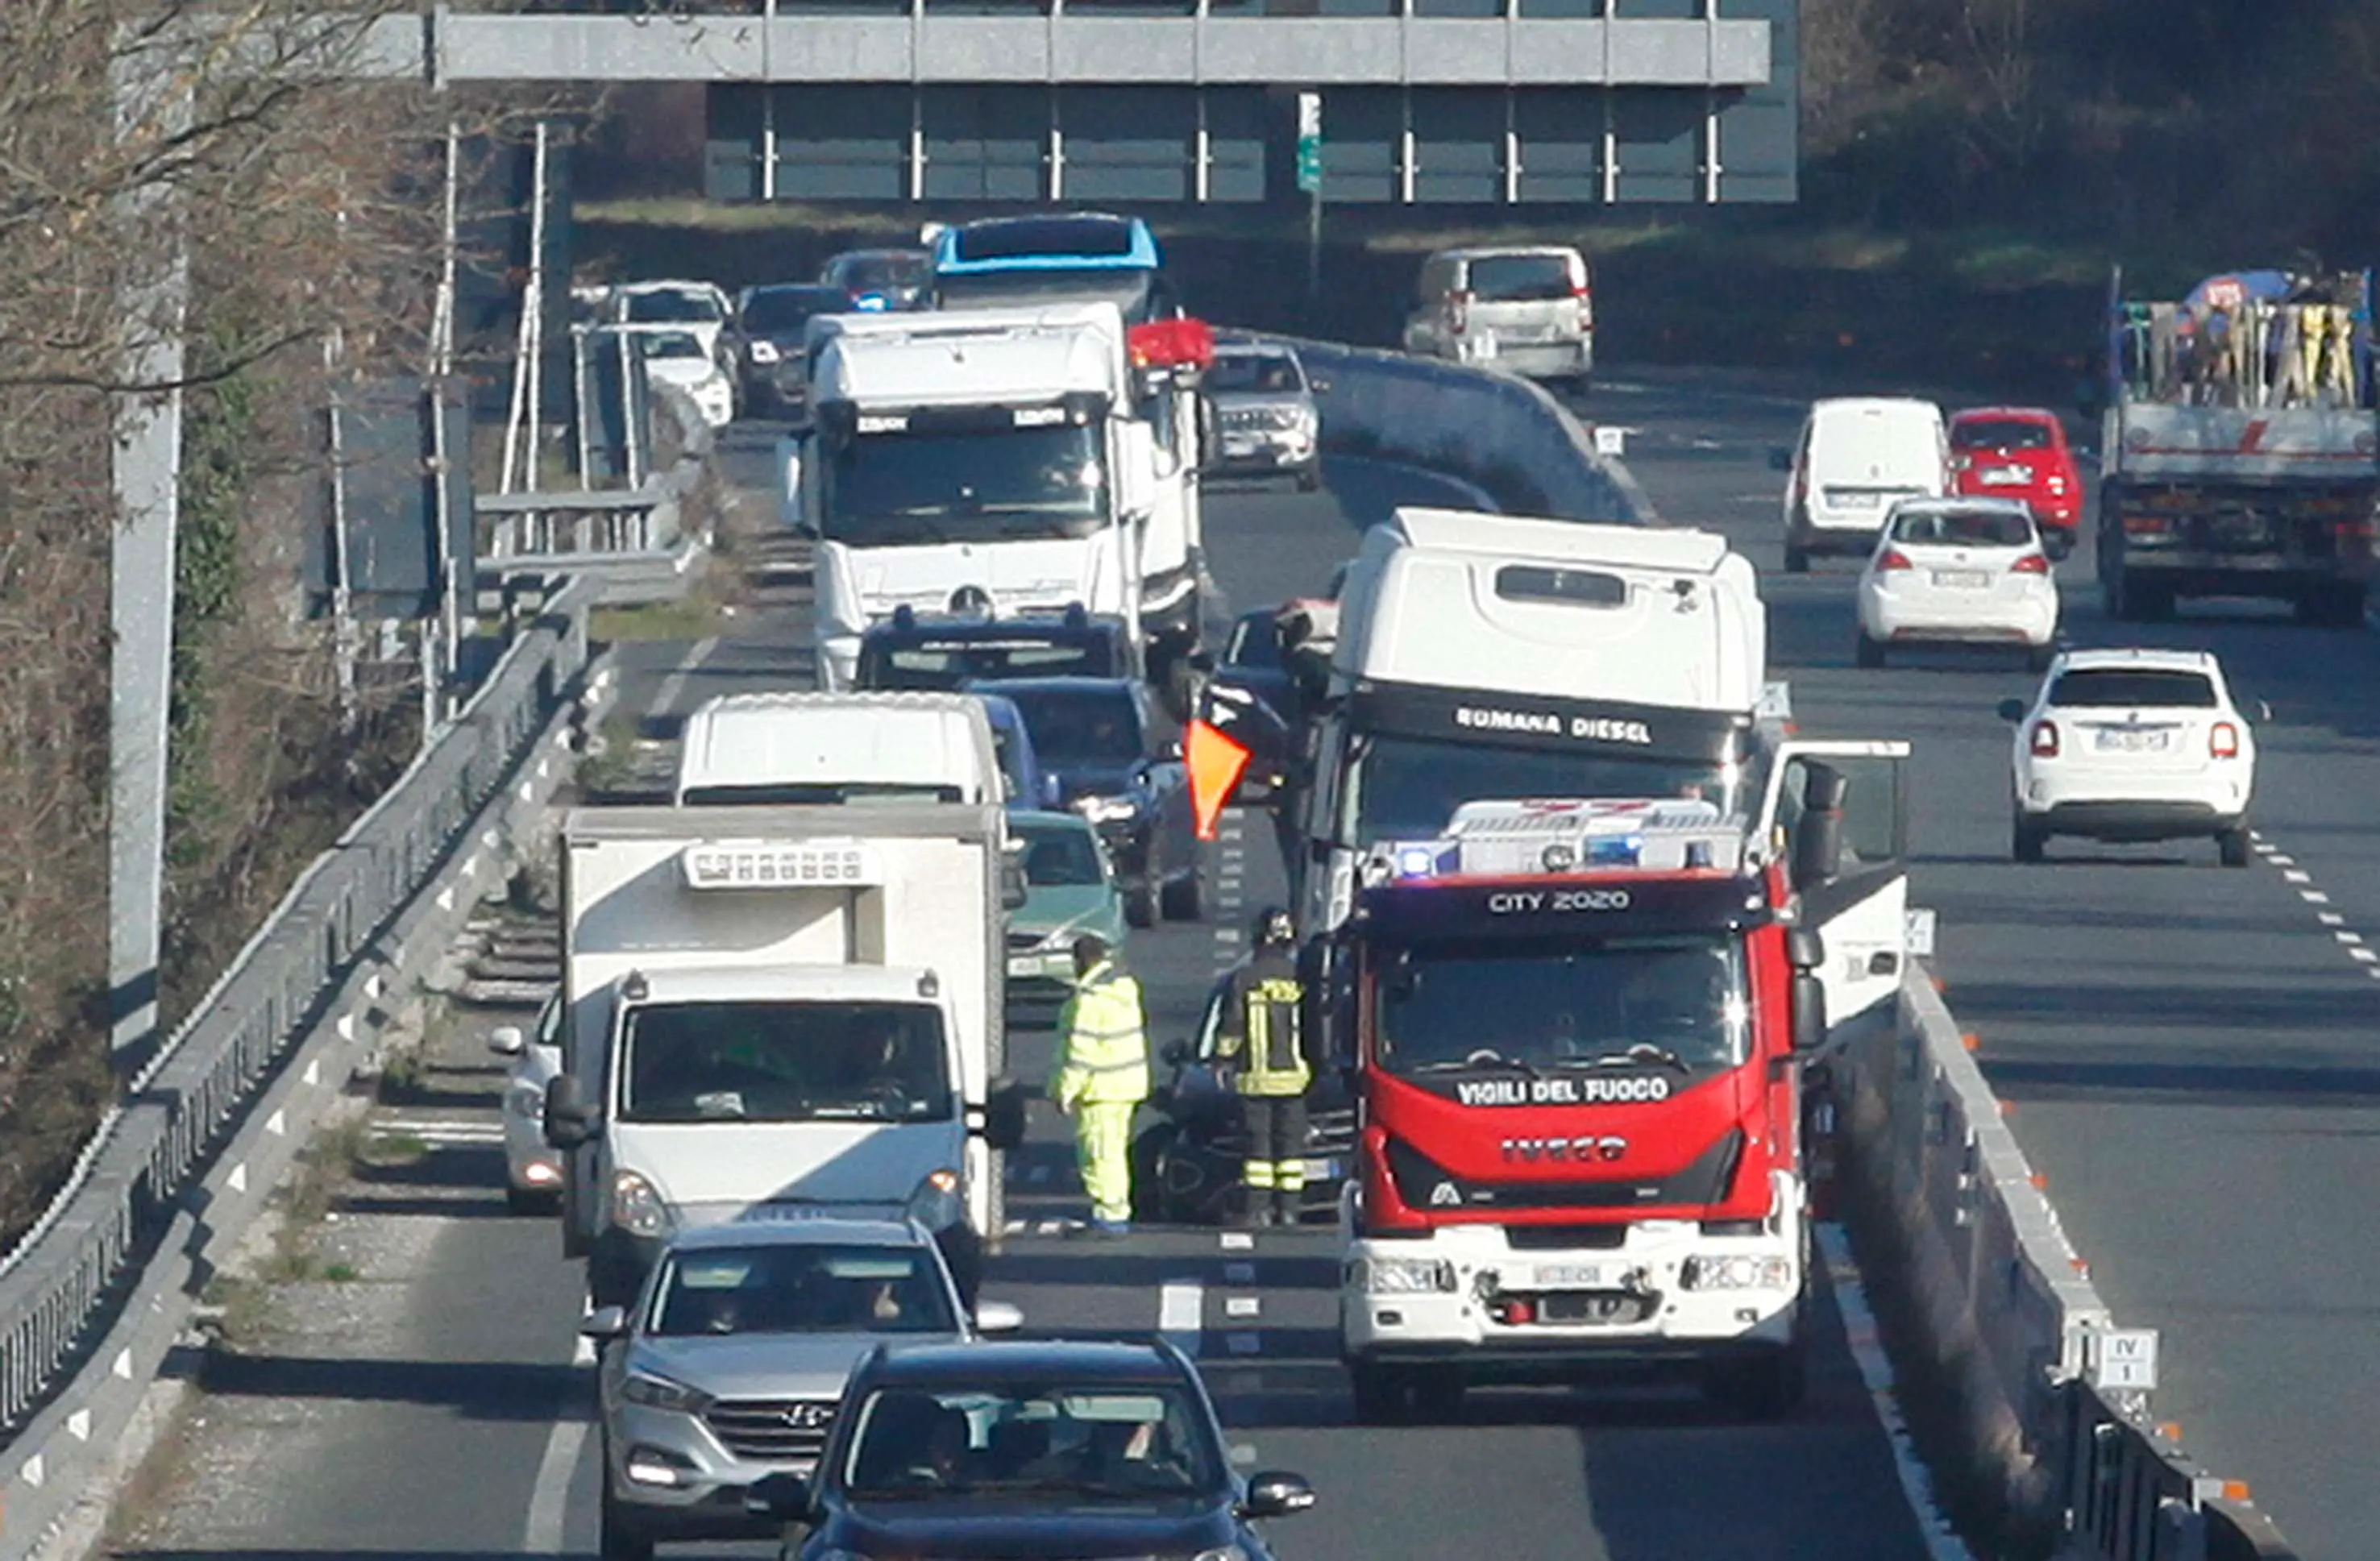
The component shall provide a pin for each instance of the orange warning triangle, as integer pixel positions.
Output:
(1215, 762)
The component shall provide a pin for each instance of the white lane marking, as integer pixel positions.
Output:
(2364, 956)
(2277, 860)
(1243, 1306)
(674, 684)
(549, 1497)
(1238, 1240)
(2350, 938)
(1942, 1542)
(2298, 875)
(1182, 1314)
(2313, 897)
(2329, 918)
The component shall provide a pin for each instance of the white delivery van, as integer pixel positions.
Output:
(1857, 456)
(1530, 309)
(800, 749)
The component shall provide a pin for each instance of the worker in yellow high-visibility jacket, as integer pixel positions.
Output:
(1102, 1078)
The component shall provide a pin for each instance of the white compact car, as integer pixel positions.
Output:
(2133, 746)
(1957, 571)
(677, 357)
(532, 1167)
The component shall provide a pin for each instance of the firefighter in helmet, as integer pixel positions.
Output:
(1261, 1039)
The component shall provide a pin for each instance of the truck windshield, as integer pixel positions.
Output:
(997, 484)
(1660, 1003)
(1406, 788)
(783, 1062)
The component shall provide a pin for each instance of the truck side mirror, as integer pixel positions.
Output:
(1818, 838)
(1003, 1115)
(1805, 948)
(505, 1040)
(1809, 1012)
(569, 1122)
(1012, 875)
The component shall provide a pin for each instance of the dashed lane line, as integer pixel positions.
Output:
(1181, 1314)
(2350, 942)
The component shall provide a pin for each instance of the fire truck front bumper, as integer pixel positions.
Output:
(1669, 1290)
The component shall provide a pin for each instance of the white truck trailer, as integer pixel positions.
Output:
(774, 1011)
(996, 462)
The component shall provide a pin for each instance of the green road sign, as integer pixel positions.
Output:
(1309, 141)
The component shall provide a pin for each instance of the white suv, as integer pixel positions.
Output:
(2133, 746)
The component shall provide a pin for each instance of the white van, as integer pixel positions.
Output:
(1856, 458)
(798, 749)
(1530, 309)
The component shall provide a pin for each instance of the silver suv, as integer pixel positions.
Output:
(1530, 309)
(729, 1366)
(1265, 417)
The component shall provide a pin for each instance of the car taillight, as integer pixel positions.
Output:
(2146, 526)
(1585, 307)
(2044, 739)
(1458, 313)
(1894, 559)
(2030, 563)
(2223, 740)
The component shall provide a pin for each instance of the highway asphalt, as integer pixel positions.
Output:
(2188, 1052)
(433, 1409)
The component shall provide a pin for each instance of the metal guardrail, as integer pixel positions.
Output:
(2005, 1306)
(60, 1284)
(1508, 435)
(549, 529)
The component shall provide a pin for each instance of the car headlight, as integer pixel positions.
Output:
(1406, 1276)
(1106, 810)
(936, 1204)
(1711, 1272)
(637, 1206)
(765, 352)
(657, 1392)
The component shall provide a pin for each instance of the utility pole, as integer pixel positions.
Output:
(153, 103)
(439, 670)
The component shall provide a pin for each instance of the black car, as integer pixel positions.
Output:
(935, 652)
(1026, 1448)
(1118, 760)
(1186, 1164)
(768, 326)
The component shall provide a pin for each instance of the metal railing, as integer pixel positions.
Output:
(57, 1286)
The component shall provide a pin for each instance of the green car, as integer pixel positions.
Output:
(1068, 891)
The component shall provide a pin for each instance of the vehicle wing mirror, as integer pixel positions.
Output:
(1013, 885)
(997, 1317)
(568, 1121)
(1780, 459)
(2012, 709)
(605, 1322)
(1805, 947)
(1818, 838)
(2263, 710)
(1318, 384)
(1809, 1012)
(1274, 1493)
(507, 1040)
(1136, 485)
(1003, 1115)
(780, 1498)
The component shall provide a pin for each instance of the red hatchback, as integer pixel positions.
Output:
(2020, 452)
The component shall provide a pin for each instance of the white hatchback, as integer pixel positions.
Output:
(1957, 571)
(532, 1167)
(2133, 746)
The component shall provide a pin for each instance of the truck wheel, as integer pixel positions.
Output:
(1383, 1396)
(1140, 904)
(618, 1537)
(2026, 840)
(2231, 846)
(1870, 652)
(1184, 899)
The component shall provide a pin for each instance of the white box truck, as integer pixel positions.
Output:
(806, 748)
(775, 1012)
(998, 461)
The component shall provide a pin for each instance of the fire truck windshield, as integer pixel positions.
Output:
(1655, 1003)
(1406, 788)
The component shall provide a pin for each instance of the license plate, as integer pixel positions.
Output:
(1843, 501)
(1961, 579)
(2127, 741)
(1569, 1277)
(2007, 476)
(1322, 1170)
(1591, 1306)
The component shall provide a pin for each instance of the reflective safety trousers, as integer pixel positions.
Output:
(1104, 1047)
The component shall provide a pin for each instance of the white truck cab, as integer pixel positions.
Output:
(775, 1012)
(818, 749)
(993, 462)
(1483, 656)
